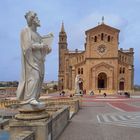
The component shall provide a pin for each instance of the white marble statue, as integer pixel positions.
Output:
(77, 87)
(34, 49)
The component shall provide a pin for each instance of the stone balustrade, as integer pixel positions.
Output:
(73, 103)
(5, 103)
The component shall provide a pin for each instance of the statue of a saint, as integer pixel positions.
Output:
(77, 87)
(34, 49)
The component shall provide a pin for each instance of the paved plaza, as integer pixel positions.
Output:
(102, 118)
(111, 118)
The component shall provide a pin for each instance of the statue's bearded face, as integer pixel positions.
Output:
(36, 21)
(32, 19)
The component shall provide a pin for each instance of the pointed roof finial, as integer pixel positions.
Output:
(102, 19)
(62, 27)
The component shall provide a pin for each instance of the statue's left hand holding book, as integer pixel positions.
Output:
(47, 41)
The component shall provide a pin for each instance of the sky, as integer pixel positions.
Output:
(78, 16)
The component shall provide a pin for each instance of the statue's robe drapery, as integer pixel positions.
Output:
(33, 57)
(77, 88)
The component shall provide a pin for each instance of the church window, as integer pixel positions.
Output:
(102, 36)
(62, 46)
(78, 70)
(123, 70)
(95, 39)
(108, 38)
(125, 59)
(80, 58)
(81, 70)
(120, 70)
(122, 58)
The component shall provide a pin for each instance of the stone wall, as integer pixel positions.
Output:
(59, 122)
(74, 104)
(25, 135)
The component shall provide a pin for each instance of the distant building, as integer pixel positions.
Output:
(102, 66)
(8, 83)
(8, 91)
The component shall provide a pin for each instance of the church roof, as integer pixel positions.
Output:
(103, 26)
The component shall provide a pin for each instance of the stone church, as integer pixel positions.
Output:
(102, 66)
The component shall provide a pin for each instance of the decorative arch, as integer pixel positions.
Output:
(108, 70)
(78, 70)
(108, 38)
(95, 39)
(121, 84)
(102, 80)
(81, 70)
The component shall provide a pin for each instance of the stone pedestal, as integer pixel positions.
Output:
(40, 128)
(31, 118)
(32, 115)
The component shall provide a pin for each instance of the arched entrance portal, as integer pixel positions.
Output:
(81, 85)
(121, 85)
(102, 81)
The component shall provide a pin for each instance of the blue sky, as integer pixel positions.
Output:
(78, 16)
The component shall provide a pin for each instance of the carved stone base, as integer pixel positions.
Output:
(32, 112)
(32, 115)
(29, 107)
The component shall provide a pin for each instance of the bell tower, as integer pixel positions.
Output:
(62, 51)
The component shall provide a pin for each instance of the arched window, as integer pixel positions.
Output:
(78, 70)
(102, 36)
(81, 70)
(120, 70)
(102, 81)
(95, 39)
(82, 58)
(125, 59)
(122, 58)
(123, 70)
(108, 38)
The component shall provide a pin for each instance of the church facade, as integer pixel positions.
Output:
(102, 66)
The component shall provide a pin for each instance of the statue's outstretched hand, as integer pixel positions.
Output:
(46, 49)
(51, 35)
